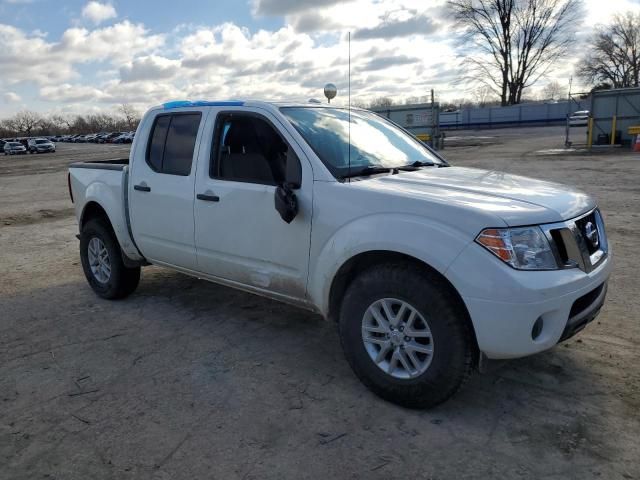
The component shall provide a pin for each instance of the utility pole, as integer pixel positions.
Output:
(435, 126)
(567, 143)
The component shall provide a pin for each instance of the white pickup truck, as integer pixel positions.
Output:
(428, 269)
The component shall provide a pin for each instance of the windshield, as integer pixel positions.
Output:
(375, 142)
(38, 142)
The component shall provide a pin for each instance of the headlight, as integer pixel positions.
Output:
(524, 248)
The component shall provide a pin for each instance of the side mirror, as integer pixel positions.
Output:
(286, 203)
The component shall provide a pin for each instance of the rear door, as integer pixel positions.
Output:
(239, 234)
(161, 187)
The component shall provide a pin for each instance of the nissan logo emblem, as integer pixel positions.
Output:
(591, 232)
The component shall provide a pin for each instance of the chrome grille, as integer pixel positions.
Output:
(580, 242)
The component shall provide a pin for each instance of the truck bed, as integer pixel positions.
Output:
(113, 164)
(106, 183)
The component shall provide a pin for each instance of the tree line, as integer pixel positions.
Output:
(480, 97)
(29, 124)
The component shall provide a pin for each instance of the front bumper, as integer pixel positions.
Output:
(504, 304)
(584, 310)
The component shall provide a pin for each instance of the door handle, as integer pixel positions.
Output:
(208, 198)
(142, 188)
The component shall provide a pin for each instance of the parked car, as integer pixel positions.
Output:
(112, 136)
(124, 138)
(14, 148)
(428, 269)
(579, 118)
(41, 145)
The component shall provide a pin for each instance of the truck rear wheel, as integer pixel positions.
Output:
(102, 262)
(406, 335)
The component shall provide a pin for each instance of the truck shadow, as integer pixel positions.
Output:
(180, 347)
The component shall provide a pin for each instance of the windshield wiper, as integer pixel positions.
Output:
(412, 167)
(366, 171)
(418, 163)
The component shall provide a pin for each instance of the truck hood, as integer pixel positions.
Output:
(515, 199)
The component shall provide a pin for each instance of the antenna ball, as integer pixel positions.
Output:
(330, 91)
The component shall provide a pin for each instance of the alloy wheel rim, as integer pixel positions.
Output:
(99, 260)
(397, 338)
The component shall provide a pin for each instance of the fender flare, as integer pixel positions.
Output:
(101, 195)
(435, 244)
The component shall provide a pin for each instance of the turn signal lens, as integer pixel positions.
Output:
(496, 242)
(524, 248)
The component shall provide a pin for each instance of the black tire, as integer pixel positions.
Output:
(122, 281)
(452, 341)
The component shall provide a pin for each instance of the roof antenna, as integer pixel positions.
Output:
(349, 100)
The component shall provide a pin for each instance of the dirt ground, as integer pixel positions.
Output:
(186, 379)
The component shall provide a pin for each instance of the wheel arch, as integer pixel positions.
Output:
(93, 210)
(350, 269)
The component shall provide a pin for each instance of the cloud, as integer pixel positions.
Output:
(97, 67)
(286, 7)
(67, 92)
(382, 63)
(313, 22)
(416, 25)
(149, 68)
(46, 63)
(11, 97)
(98, 12)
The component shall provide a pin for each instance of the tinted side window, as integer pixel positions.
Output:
(249, 150)
(172, 142)
(155, 151)
(180, 144)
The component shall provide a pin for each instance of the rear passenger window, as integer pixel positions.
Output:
(172, 143)
(156, 145)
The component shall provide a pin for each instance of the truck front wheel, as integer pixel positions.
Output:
(406, 335)
(102, 262)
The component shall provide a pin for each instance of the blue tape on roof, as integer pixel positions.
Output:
(201, 103)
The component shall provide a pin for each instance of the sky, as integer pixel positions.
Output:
(82, 56)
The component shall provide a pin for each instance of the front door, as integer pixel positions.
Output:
(239, 234)
(161, 191)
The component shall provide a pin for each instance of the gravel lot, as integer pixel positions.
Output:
(186, 379)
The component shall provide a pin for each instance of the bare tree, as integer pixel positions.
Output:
(61, 122)
(518, 41)
(482, 94)
(614, 54)
(359, 103)
(24, 122)
(552, 91)
(381, 102)
(131, 115)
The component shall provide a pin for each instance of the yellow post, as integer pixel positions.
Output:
(590, 132)
(613, 130)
